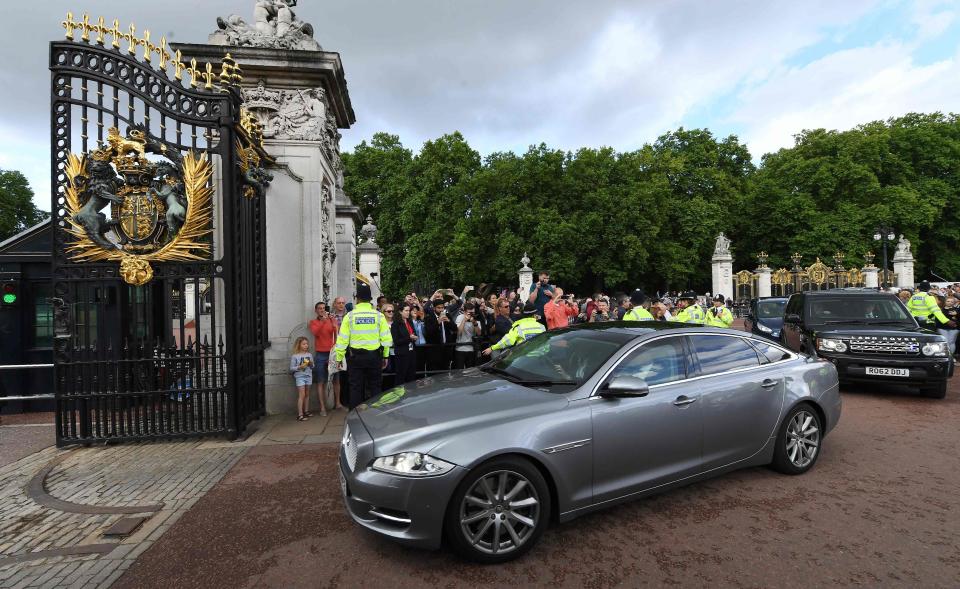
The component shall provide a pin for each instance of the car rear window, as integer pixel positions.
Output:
(720, 353)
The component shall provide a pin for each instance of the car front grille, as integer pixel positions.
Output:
(888, 345)
(349, 448)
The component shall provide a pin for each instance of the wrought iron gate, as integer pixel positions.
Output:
(160, 320)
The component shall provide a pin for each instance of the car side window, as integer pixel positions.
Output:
(770, 353)
(657, 362)
(720, 353)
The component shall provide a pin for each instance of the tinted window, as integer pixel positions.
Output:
(795, 304)
(657, 362)
(771, 353)
(770, 309)
(856, 309)
(719, 353)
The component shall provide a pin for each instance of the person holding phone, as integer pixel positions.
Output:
(541, 294)
(467, 328)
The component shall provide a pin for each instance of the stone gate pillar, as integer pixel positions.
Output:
(298, 93)
(903, 263)
(722, 268)
(763, 282)
(526, 275)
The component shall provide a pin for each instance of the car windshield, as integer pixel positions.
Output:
(857, 310)
(559, 359)
(770, 309)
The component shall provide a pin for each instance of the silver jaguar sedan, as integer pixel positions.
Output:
(576, 420)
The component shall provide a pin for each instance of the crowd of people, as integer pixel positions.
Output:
(445, 330)
(945, 318)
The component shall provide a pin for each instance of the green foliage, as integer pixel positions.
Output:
(598, 219)
(17, 211)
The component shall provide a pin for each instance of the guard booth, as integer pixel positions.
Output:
(158, 269)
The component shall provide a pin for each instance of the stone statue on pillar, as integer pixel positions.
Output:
(369, 262)
(903, 263)
(526, 276)
(275, 26)
(722, 267)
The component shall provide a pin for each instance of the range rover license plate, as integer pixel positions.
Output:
(879, 371)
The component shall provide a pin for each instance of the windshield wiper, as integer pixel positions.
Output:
(500, 371)
(544, 383)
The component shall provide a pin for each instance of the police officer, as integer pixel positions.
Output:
(523, 329)
(924, 308)
(719, 315)
(690, 311)
(365, 338)
(637, 311)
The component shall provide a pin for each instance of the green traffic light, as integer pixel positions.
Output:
(9, 298)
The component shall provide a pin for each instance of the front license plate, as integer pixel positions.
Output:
(879, 371)
(343, 482)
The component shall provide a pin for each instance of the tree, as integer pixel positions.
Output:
(377, 176)
(17, 211)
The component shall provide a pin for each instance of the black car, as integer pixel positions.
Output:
(869, 336)
(765, 317)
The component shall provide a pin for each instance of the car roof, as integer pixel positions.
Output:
(638, 328)
(771, 298)
(849, 291)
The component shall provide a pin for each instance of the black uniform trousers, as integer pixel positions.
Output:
(365, 369)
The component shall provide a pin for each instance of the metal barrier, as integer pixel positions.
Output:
(25, 397)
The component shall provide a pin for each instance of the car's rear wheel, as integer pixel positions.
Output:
(937, 391)
(798, 441)
(498, 511)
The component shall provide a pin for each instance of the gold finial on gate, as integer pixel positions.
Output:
(116, 34)
(208, 77)
(162, 52)
(178, 66)
(100, 29)
(131, 39)
(194, 72)
(147, 45)
(70, 25)
(85, 37)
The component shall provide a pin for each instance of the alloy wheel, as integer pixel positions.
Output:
(500, 512)
(803, 439)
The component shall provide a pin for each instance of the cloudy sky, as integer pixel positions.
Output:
(510, 73)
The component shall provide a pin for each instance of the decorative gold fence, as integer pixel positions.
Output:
(817, 276)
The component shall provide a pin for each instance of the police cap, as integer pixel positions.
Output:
(924, 286)
(689, 295)
(638, 297)
(529, 308)
(363, 292)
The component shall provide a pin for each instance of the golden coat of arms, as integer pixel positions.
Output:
(159, 211)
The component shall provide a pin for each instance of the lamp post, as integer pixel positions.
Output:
(884, 235)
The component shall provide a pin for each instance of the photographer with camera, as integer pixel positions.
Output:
(468, 327)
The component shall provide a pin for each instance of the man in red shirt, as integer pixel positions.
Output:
(324, 329)
(558, 311)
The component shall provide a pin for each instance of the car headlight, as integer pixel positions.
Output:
(412, 464)
(934, 349)
(831, 345)
(764, 328)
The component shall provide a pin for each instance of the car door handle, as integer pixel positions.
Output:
(684, 400)
(769, 382)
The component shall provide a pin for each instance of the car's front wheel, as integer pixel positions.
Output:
(498, 511)
(798, 441)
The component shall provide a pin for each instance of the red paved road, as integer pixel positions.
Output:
(881, 508)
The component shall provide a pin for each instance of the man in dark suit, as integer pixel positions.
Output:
(439, 330)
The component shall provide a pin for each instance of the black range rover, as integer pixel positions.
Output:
(870, 336)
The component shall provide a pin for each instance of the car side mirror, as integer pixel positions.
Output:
(791, 318)
(625, 386)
